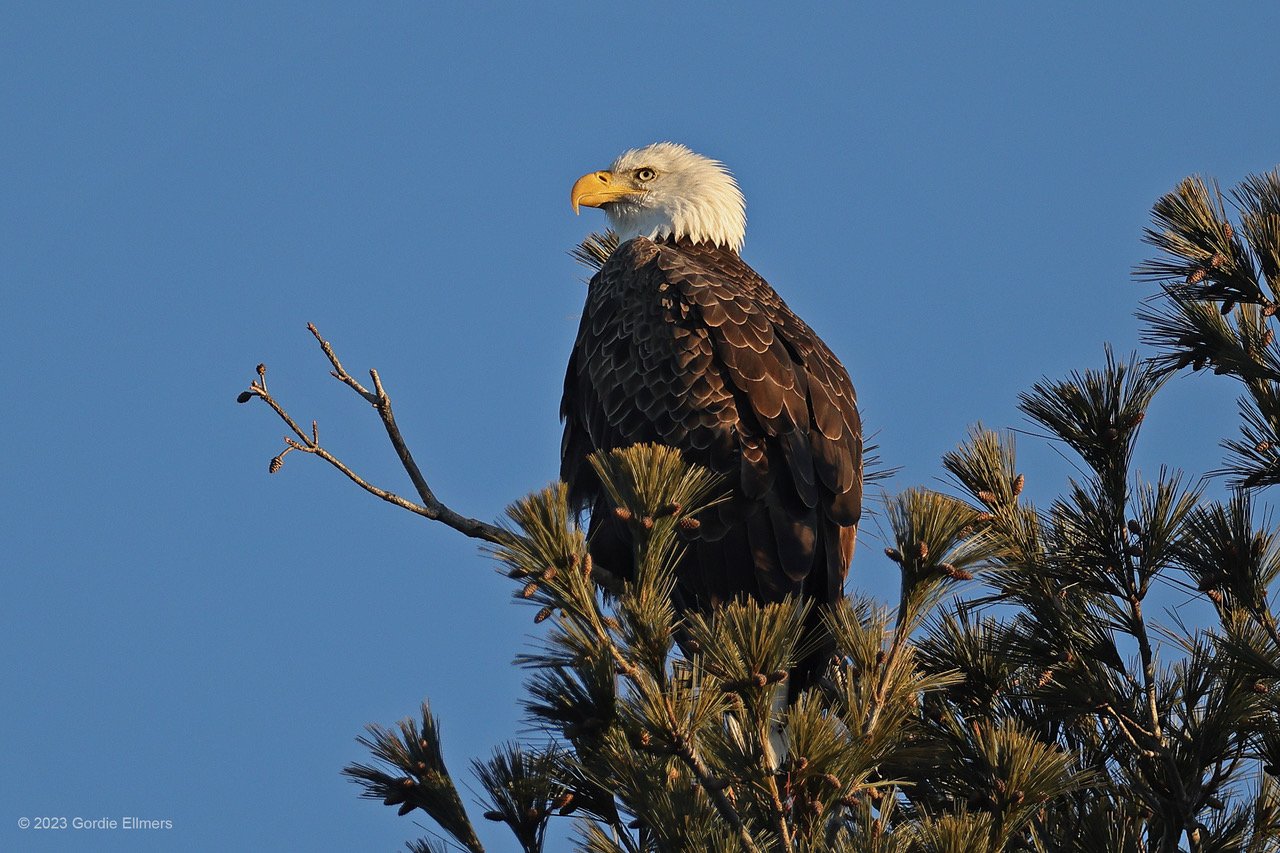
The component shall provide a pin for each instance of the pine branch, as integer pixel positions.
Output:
(938, 542)
(1200, 246)
(595, 249)
(422, 780)
(522, 791)
(1098, 414)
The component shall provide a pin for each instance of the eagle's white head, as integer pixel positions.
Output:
(666, 190)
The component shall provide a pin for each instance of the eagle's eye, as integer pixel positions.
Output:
(645, 175)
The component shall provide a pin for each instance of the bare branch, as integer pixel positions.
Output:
(429, 506)
(339, 372)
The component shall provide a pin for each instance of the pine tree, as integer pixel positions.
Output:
(1018, 696)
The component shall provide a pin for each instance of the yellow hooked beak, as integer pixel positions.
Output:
(596, 188)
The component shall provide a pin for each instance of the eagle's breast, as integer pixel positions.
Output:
(685, 345)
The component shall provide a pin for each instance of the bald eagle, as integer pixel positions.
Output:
(682, 343)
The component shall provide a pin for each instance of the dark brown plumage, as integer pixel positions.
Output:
(685, 345)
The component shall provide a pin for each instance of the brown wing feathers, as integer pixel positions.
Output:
(686, 345)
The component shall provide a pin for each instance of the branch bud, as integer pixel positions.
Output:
(688, 524)
(893, 554)
(1018, 482)
(529, 589)
(1196, 275)
(622, 513)
(244, 397)
(543, 615)
(494, 816)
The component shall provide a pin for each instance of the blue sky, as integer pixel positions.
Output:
(952, 197)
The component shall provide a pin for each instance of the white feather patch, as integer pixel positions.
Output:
(691, 197)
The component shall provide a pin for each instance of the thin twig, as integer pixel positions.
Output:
(339, 372)
(1128, 735)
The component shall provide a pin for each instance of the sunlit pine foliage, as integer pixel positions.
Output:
(1017, 694)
